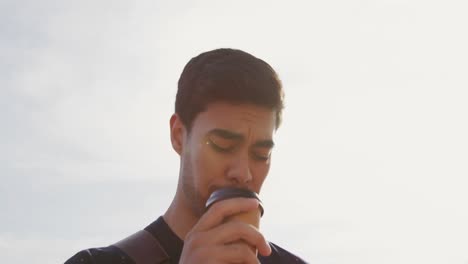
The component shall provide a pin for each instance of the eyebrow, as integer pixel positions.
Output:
(264, 144)
(227, 134)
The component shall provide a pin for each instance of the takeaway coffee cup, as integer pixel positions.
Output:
(251, 217)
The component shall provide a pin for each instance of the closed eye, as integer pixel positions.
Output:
(261, 154)
(221, 144)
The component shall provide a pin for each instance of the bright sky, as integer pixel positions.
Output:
(371, 160)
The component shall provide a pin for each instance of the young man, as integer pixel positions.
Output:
(228, 107)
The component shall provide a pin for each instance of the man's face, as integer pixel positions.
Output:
(228, 145)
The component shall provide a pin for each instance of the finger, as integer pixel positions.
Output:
(222, 209)
(235, 230)
(232, 253)
(238, 253)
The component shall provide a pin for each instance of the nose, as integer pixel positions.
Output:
(239, 172)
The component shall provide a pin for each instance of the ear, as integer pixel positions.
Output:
(177, 133)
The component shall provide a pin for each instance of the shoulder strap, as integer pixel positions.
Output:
(143, 248)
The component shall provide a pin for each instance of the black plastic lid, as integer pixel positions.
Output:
(232, 192)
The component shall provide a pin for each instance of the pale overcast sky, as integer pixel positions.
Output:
(371, 160)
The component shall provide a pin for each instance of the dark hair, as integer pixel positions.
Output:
(228, 75)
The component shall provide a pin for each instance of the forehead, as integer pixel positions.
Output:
(240, 118)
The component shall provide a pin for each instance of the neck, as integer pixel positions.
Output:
(180, 218)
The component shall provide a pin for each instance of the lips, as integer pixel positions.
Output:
(214, 188)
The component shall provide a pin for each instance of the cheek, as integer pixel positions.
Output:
(260, 172)
(209, 167)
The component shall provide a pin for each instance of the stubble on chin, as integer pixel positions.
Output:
(193, 198)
